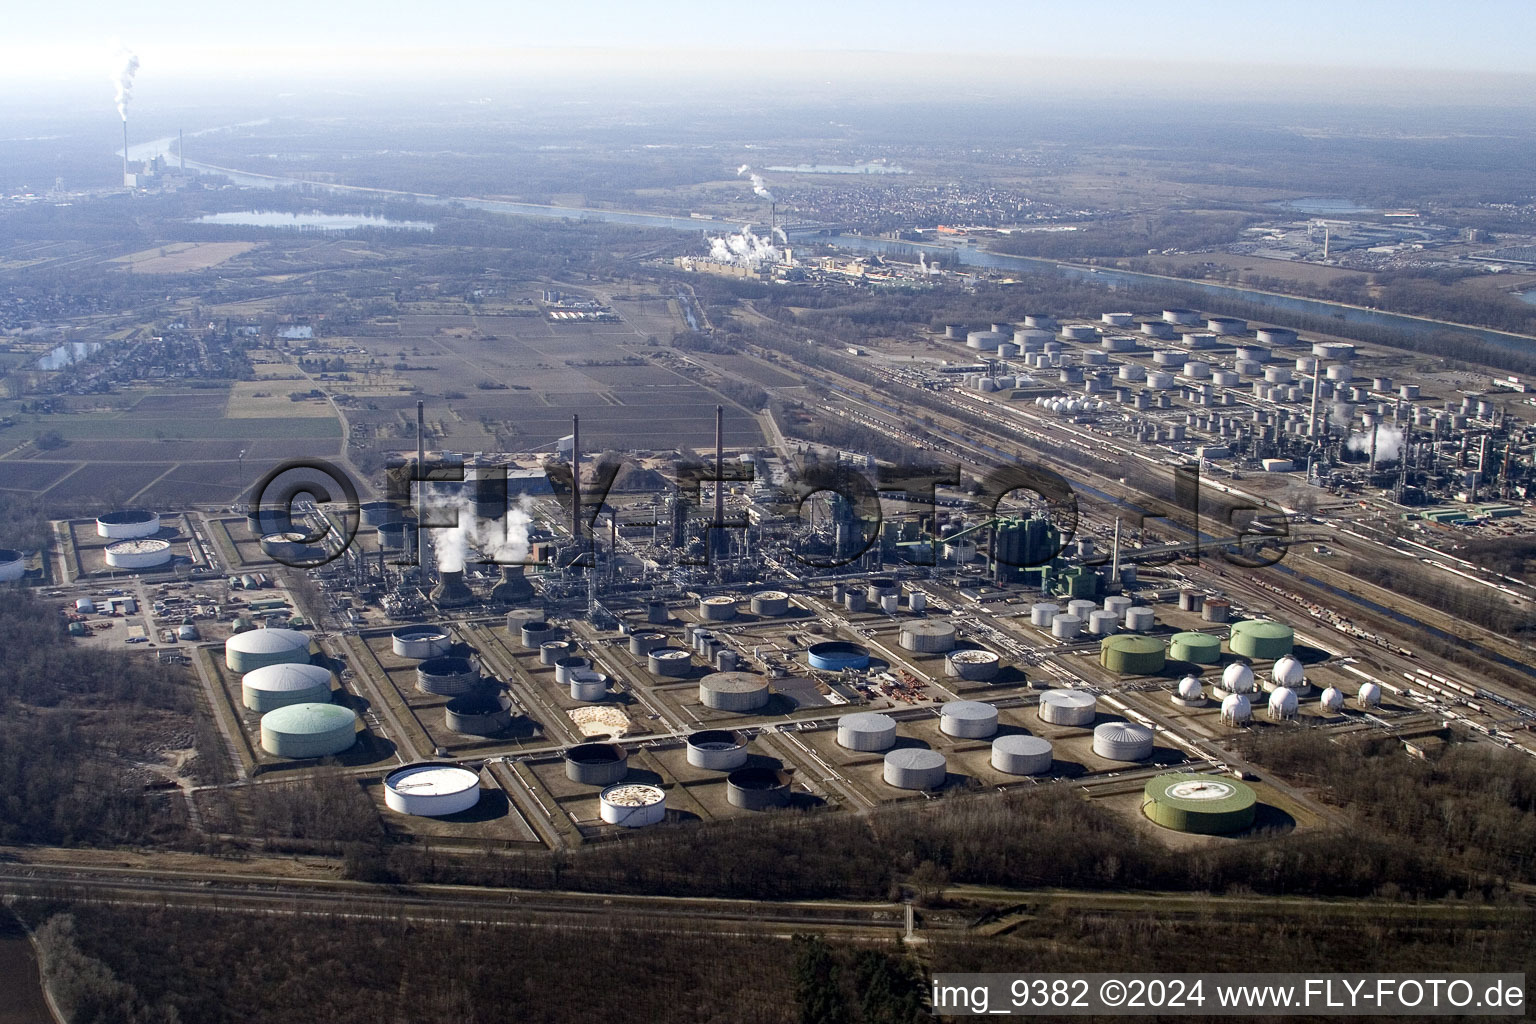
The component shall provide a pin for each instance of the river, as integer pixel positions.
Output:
(19, 977)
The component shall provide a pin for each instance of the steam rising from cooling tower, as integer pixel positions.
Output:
(1389, 443)
(122, 80)
(496, 540)
(759, 187)
(746, 248)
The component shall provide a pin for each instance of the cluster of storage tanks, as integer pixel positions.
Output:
(293, 696)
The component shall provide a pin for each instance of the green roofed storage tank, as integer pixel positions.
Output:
(308, 730)
(1130, 655)
(1203, 804)
(257, 648)
(277, 686)
(1201, 648)
(1261, 638)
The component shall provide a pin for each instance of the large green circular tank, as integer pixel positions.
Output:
(1200, 648)
(1204, 804)
(1130, 655)
(1261, 638)
(308, 730)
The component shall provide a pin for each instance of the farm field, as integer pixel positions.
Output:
(182, 257)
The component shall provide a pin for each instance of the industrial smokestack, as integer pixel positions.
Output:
(576, 479)
(719, 467)
(125, 151)
(421, 478)
(181, 149)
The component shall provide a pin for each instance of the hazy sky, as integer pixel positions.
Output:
(1111, 39)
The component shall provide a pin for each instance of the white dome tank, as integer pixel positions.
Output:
(1287, 672)
(1068, 707)
(1238, 678)
(1369, 695)
(1282, 703)
(1189, 691)
(1122, 741)
(1332, 699)
(1021, 755)
(1236, 709)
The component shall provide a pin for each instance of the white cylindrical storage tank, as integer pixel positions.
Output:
(1080, 332)
(1236, 709)
(1040, 321)
(889, 603)
(587, 685)
(915, 768)
(139, 554)
(569, 666)
(276, 686)
(674, 662)
(720, 750)
(1168, 357)
(1081, 607)
(1102, 623)
(968, 719)
(725, 661)
(718, 608)
(1117, 319)
(1122, 741)
(642, 644)
(535, 633)
(308, 730)
(1237, 678)
(431, 790)
(631, 805)
(1117, 343)
(928, 636)
(1156, 329)
(447, 677)
(1199, 339)
(917, 601)
(1021, 755)
(1332, 698)
(1065, 627)
(128, 524)
(1226, 378)
(1181, 316)
(13, 565)
(1043, 613)
(1282, 704)
(1197, 370)
(1276, 335)
(1277, 375)
(551, 651)
(1131, 372)
(1369, 695)
(734, 691)
(1340, 372)
(1159, 381)
(1068, 707)
(1117, 603)
(975, 666)
(986, 341)
(1226, 325)
(770, 603)
(255, 648)
(1140, 619)
(1251, 353)
(420, 643)
(866, 731)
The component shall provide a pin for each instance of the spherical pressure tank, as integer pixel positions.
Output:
(1332, 698)
(968, 719)
(128, 524)
(483, 711)
(447, 677)
(308, 730)
(770, 603)
(551, 651)
(1021, 755)
(596, 764)
(866, 730)
(1201, 804)
(1287, 671)
(1132, 655)
(257, 648)
(718, 608)
(1261, 638)
(431, 790)
(633, 806)
(1141, 618)
(1189, 692)
(420, 642)
(972, 665)
(734, 691)
(587, 685)
(720, 750)
(276, 686)
(1237, 678)
(1122, 741)
(1236, 709)
(1369, 695)
(915, 768)
(928, 636)
(1068, 707)
(1065, 627)
(13, 565)
(1282, 703)
(535, 633)
(568, 665)
(1043, 613)
(1200, 648)
(139, 554)
(837, 655)
(673, 662)
(758, 788)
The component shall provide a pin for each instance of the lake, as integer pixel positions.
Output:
(1322, 205)
(67, 354)
(312, 221)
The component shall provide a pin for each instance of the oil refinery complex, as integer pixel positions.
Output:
(765, 641)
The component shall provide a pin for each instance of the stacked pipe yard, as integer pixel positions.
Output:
(915, 768)
(596, 764)
(734, 691)
(866, 731)
(759, 788)
(1199, 804)
(275, 686)
(139, 554)
(770, 603)
(1021, 755)
(128, 524)
(973, 665)
(587, 685)
(447, 677)
(308, 730)
(483, 711)
(420, 643)
(1122, 741)
(257, 648)
(431, 790)
(1068, 707)
(968, 719)
(633, 805)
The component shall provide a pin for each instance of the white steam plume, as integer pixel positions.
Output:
(1389, 444)
(759, 187)
(122, 79)
(746, 248)
(503, 541)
